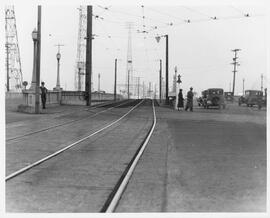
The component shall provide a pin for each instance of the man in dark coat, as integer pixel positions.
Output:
(189, 100)
(43, 94)
(180, 100)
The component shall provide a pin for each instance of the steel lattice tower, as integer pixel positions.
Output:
(129, 72)
(81, 50)
(14, 76)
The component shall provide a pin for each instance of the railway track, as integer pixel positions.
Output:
(113, 105)
(110, 203)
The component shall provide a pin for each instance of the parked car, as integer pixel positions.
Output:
(213, 97)
(251, 98)
(229, 96)
(202, 98)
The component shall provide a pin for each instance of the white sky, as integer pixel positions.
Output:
(200, 50)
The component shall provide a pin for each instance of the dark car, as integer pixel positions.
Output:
(213, 97)
(202, 99)
(251, 98)
(229, 96)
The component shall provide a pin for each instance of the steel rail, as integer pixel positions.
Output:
(24, 169)
(119, 188)
(62, 124)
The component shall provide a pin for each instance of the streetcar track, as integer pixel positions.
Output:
(65, 123)
(114, 197)
(24, 169)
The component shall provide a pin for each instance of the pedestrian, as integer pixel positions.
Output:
(43, 94)
(189, 104)
(180, 100)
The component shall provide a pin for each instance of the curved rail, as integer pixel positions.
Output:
(119, 188)
(18, 172)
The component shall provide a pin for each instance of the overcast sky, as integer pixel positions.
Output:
(201, 49)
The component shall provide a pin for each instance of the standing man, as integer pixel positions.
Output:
(189, 100)
(43, 94)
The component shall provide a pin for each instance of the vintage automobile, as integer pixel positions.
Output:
(201, 100)
(213, 97)
(251, 98)
(229, 96)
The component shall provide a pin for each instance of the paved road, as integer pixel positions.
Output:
(201, 161)
(80, 179)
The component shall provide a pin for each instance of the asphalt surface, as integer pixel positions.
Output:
(202, 161)
(80, 179)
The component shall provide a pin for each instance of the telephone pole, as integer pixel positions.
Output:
(235, 63)
(88, 72)
(160, 80)
(115, 77)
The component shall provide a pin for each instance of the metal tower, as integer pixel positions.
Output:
(14, 76)
(129, 73)
(81, 50)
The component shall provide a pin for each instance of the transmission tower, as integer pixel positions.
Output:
(81, 50)
(14, 76)
(129, 73)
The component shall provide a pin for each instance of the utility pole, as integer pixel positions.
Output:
(261, 82)
(160, 80)
(138, 87)
(155, 91)
(167, 69)
(115, 77)
(38, 60)
(128, 84)
(167, 66)
(235, 63)
(88, 73)
(143, 89)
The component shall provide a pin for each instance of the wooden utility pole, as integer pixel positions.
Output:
(115, 77)
(88, 63)
(167, 69)
(160, 80)
(38, 61)
(235, 63)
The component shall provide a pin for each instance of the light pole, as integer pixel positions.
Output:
(178, 81)
(35, 39)
(167, 66)
(58, 56)
(37, 91)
